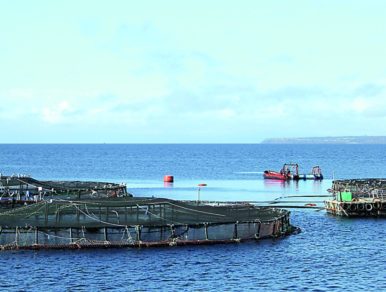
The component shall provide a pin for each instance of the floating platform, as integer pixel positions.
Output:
(359, 208)
(358, 198)
(136, 222)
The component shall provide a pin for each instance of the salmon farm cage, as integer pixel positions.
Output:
(135, 222)
(22, 189)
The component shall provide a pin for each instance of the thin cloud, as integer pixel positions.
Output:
(57, 113)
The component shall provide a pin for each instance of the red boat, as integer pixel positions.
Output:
(289, 171)
(270, 174)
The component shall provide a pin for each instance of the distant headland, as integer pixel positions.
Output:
(328, 140)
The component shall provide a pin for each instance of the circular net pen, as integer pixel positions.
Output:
(20, 190)
(136, 222)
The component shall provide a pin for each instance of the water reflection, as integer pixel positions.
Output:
(232, 190)
(301, 187)
(168, 185)
(273, 183)
(296, 185)
(317, 186)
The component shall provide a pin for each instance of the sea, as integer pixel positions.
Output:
(329, 254)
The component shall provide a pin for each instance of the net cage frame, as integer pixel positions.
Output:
(135, 222)
(23, 188)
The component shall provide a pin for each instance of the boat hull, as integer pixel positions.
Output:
(268, 174)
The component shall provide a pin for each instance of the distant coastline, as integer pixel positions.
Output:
(328, 140)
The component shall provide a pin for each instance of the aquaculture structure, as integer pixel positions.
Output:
(20, 190)
(358, 198)
(135, 222)
(38, 214)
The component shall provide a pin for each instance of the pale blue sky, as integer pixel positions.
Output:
(191, 71)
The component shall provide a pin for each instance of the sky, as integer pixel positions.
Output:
(190, 71)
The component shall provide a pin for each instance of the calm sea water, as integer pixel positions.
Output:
(330, 254)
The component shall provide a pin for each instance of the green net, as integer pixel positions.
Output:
(130, 211)
(61, 214)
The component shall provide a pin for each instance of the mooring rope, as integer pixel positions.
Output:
(98, 220)
(35, 212)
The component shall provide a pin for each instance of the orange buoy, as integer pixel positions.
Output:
(168, 178)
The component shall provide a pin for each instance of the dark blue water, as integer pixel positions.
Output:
(331, 254)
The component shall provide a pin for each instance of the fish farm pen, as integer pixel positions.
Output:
(91, 215)
(358, 198)
(20, 190)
